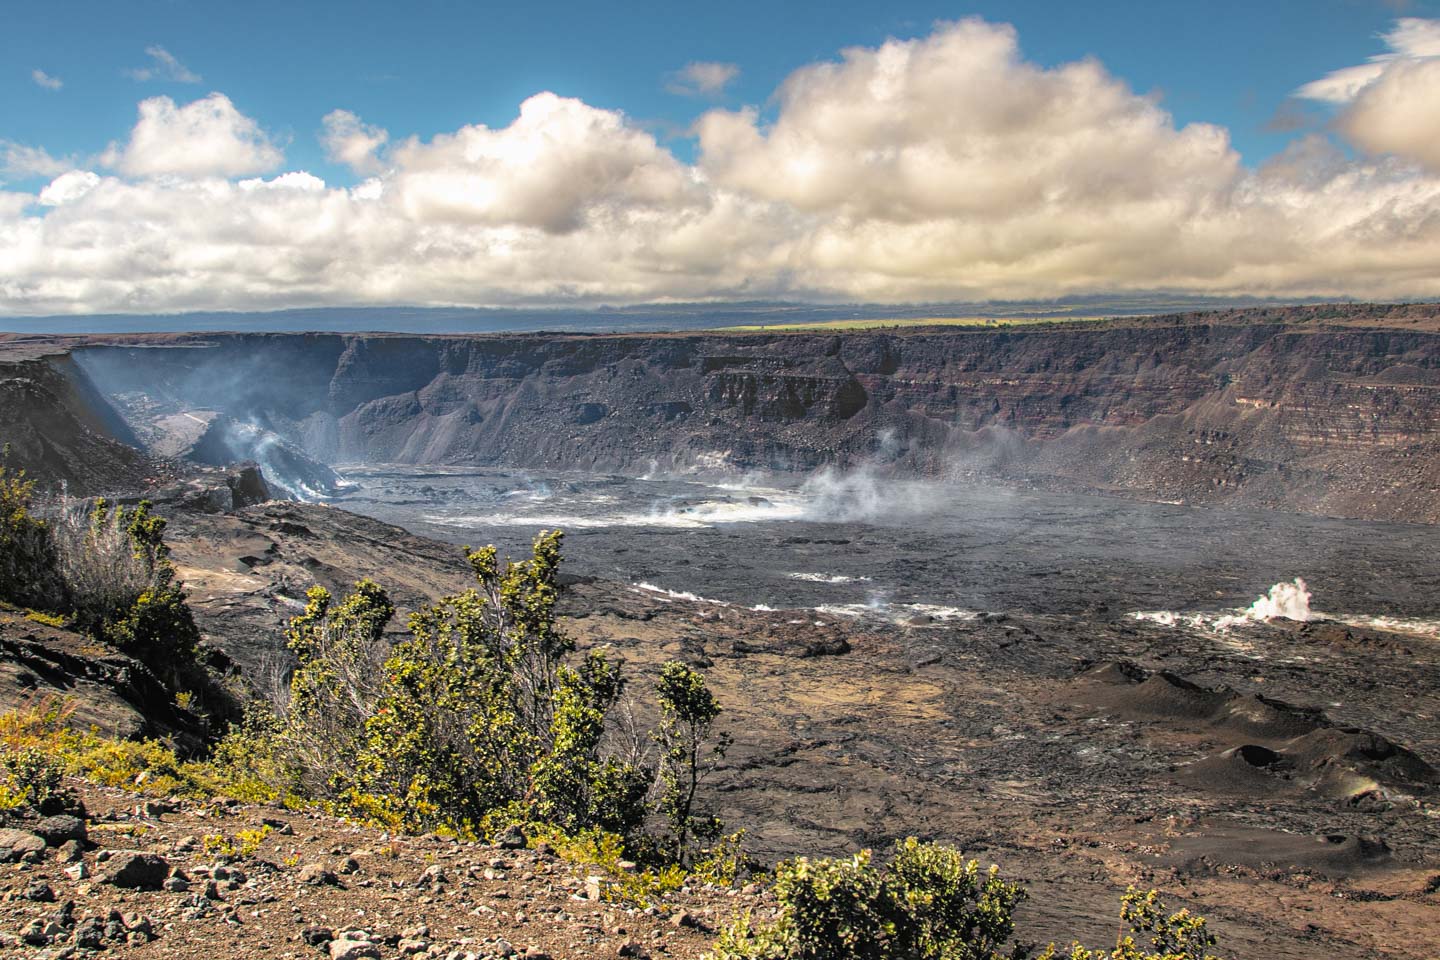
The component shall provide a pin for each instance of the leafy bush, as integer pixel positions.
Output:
(473, 722)
(29, 776)
(481, 723)
(341, 649)
(103, 566)
(28, 575)
(928, 904)
(120, 584)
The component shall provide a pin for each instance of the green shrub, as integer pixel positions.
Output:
(928, 904)
(28, 575)
(121, 588)
(29, 776)
(480, 722)
(473, 722)
(340, 649)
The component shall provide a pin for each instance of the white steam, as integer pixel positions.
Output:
(1287, 600)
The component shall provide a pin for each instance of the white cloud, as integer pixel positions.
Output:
(1398, 113)
(163, 66)
(44, 79)
(68, 187)
(558, 164)
(207, 137)
(349, 141)
(23, 162)
(702, 79)
(1391, 104)
(945, 167)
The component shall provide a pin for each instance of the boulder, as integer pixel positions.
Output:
(61, 829)
(20, 845)
(353, 950)
(137, 871)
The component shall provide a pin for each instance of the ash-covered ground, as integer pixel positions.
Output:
(1086, 691)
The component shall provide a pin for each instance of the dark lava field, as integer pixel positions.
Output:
(862, 544)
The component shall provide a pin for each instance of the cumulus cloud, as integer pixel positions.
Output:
(558, 164)
(1390, 102)
(68, 187)
(349, 141)
(44, 79)
(943, 167)
(702, 78)
(163, 66)
(208, 137)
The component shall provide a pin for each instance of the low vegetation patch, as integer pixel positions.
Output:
(102, 569)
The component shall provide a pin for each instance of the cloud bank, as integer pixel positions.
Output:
(943, 167)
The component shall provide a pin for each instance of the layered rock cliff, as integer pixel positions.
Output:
(1340, 418)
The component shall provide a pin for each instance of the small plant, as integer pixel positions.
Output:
(687, 753)
(31, 777)
(244, 844)
(600, 850)
(28, 574)
(1170, 936)
(48, 619)
(928, 904)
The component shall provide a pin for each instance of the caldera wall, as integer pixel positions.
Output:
(1336, 419)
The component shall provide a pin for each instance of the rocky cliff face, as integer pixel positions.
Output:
(1340, 419)
(60, 429)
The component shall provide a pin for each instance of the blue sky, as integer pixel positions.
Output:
(424, 67)
(161, 156)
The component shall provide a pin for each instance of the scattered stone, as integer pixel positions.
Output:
(353, 950)
(316, 875)
(177, 884)
(137, 871)
(317, 936)
(348, 866)
(40, 892)
(78, 871)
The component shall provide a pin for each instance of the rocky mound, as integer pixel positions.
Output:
(99, 686)
(1270, 746)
